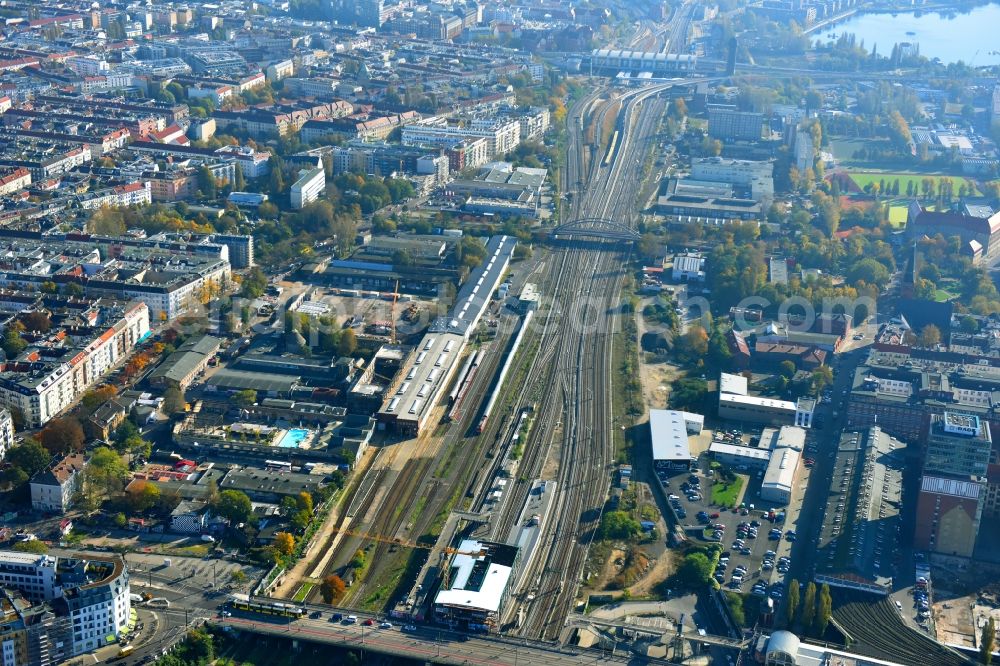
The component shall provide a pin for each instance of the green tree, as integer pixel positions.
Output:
(288, 506)
(73, 289)
(13, 344)
(104, 474)
(695, 571)
(137, 447)
(792, 604)
(821, 378)
(969, 325)
(276, 180)
(787, 369)
(106, 221)
(34, 546)
(284, 543)
(173, 400)
(254, 283)
(239, 182)
(808, 606)
(300, 521)
(719, 355)
(930, 336)
(870, 271)
(347, 343)
(245, 398)
(988, 641)
(618, 525)
(234, 506)
(142, 496)
(207, 184)
(735, 602)
(824, 610)
(304, 502)
(30, 456)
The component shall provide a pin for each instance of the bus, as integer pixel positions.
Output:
(245, 603)
(278, 466)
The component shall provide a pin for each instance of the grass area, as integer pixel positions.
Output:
(897, 214)
(941, 296)
(864, 178)
(196, 550)
(303, 592)
(725, 494)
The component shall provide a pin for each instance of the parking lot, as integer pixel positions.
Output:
(756, 537)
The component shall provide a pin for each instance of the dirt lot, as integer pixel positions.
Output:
(953, 620)
(657, 377)
(638, 567)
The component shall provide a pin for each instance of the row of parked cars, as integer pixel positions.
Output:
(353, 619)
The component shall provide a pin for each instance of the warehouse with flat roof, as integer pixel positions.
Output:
(480, 581)
(409, 403)
(668, 432)
(779, 478)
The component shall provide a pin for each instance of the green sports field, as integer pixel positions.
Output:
(864, 178)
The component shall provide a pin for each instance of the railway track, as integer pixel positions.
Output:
(878, 631)
(389, 514)
(575, 434)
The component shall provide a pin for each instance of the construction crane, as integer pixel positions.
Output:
(392, 314)
(406, 543)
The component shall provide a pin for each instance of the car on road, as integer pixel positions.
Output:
(351, 619)
(316, 614)
(409, 627)
(368, 622)
(385, 625)
(336, 617)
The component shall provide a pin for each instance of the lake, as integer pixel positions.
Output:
(968, 37)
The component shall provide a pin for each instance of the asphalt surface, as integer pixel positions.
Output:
(429, 645)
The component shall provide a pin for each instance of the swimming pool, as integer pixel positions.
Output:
(292, 438)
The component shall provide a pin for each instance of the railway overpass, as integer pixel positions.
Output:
(593, 228)
(430, 645)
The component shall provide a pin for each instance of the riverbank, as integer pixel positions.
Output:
(938, 8)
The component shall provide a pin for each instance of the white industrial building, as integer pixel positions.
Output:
(735, 455)
(480, 582)
(786, 437)
(779, 478)
(528, 300)
(688, 267)
(501, 136)
(311, 184)
(430, 370)
(658, 64)
(755, 409)
(733, 384)
(668, 431)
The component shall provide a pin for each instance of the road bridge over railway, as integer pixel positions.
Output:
(430, 645)
(593, 228)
